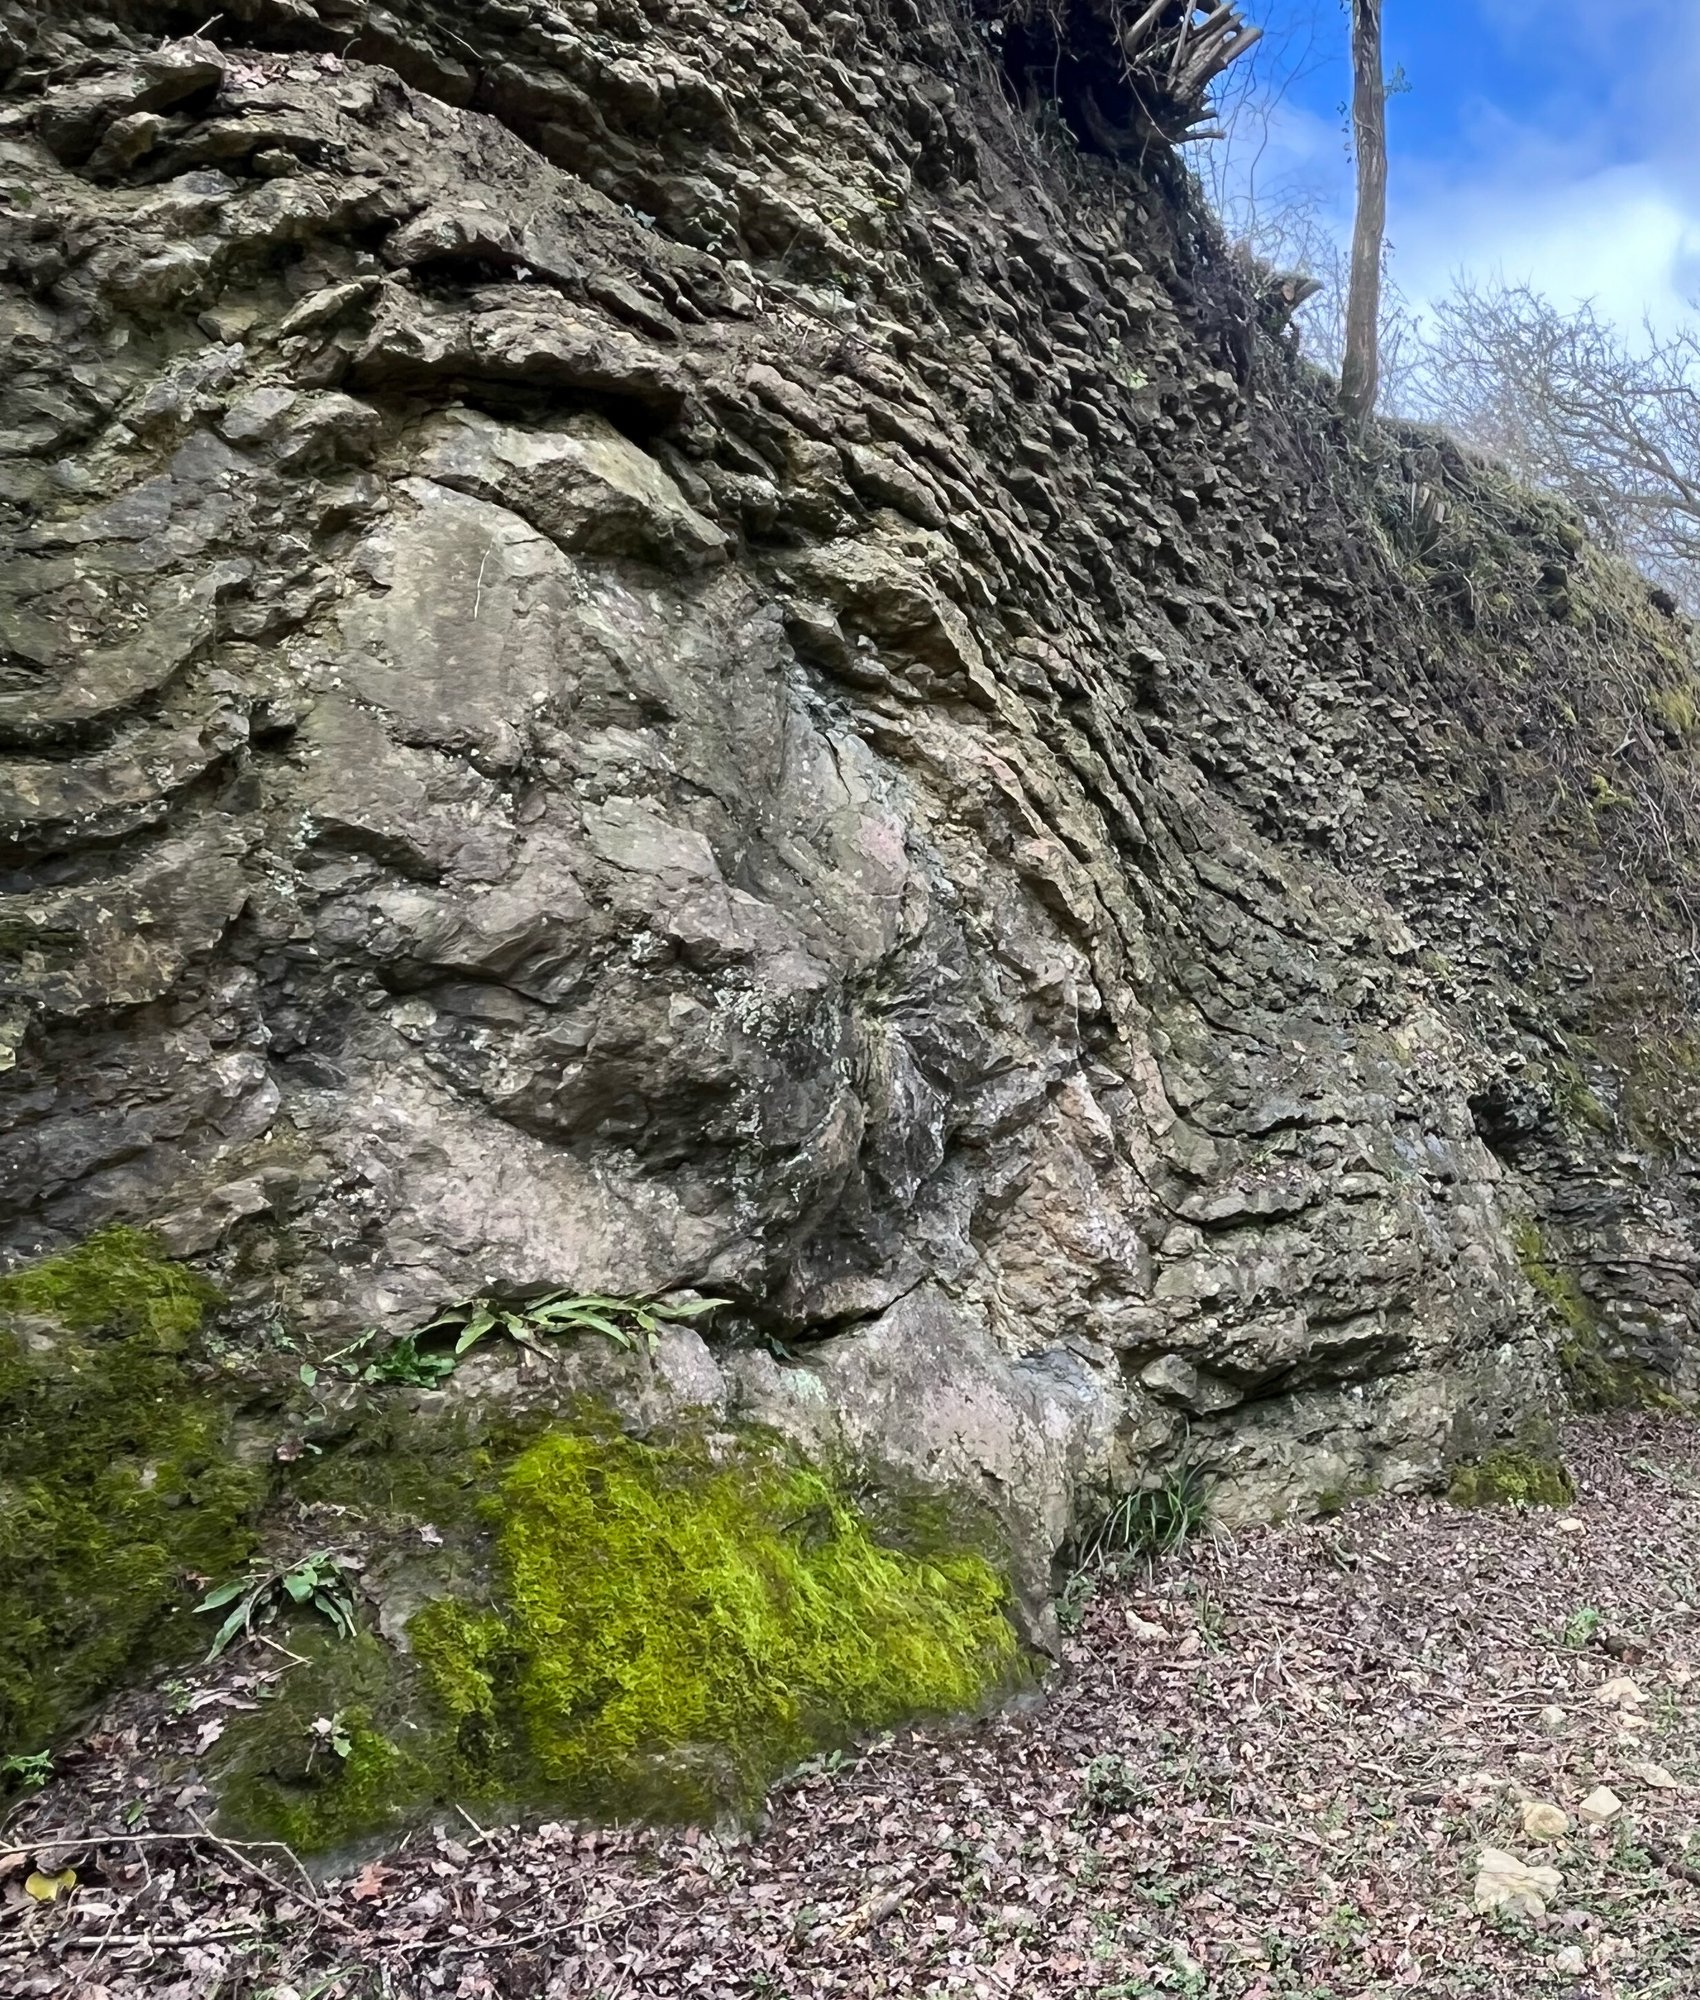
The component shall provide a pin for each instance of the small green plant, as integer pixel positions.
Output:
(31, 1771)
(317, 1583)
(404, 1363)
(1151, 1521)
(332, 1733)
(426, 1358)
(626, 1322)
(1582, 1627)
(1110, 1785)
(1075, 1600)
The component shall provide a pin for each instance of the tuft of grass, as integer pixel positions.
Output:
(1150, 1522)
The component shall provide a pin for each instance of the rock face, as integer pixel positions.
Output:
(654, 646)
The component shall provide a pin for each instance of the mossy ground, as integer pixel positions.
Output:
(667, 1627)
(118, 1489)
(1514, 1477)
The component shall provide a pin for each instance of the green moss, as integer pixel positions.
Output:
(1575, 1101)
(1512, 1478)
(666, 1628)
(664, 1606)
(1676, 708)
(1556, 1287)
(288, 1781)
(115, 1283)
(117, 1488)
(1596, 1379)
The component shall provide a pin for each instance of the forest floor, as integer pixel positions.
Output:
(1271, 1771)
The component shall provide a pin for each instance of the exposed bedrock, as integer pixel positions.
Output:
(652, 646)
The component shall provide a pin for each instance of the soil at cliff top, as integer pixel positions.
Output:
(1272, 1771)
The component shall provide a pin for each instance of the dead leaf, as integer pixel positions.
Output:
(1656, 1776)
(1619, 1693)
(49, 1888)
(371, 1882)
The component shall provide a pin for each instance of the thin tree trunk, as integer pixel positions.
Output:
(1360, 374)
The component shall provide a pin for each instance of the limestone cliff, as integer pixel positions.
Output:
(653, 645)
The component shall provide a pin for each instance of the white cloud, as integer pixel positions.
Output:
(1593, 193)
(1620, 236)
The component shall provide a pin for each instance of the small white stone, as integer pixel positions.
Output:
(1600, 1806)
(1542, 1821)
(1505, 1883)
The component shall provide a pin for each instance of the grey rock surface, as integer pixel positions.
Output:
(644, 647)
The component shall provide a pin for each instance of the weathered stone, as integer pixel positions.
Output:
(1515, 1887)
(1542, 1821)
(1600, 1807)
(627, 681)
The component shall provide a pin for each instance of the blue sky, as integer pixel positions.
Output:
(1552, 140)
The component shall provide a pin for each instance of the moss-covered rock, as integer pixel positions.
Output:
(1515, 1477)
(118, 1488)
(1596, 1378)
(338, 1750)
(665, 1628)
(679, 1630)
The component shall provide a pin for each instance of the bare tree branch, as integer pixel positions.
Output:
(1568, 403)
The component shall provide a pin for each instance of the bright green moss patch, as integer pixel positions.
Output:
(116, 1482)
(1512, 1478)
(677, 1629)
(665, 1628)
(115, 1283)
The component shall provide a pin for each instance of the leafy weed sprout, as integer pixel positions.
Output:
(317, 1582)
(413, 1363)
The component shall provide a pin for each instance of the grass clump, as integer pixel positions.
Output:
(1514, 1477)
(675, 1628)
(117, 1486)
(1143, 1526)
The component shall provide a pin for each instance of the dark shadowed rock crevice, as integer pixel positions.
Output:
(655, 647)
